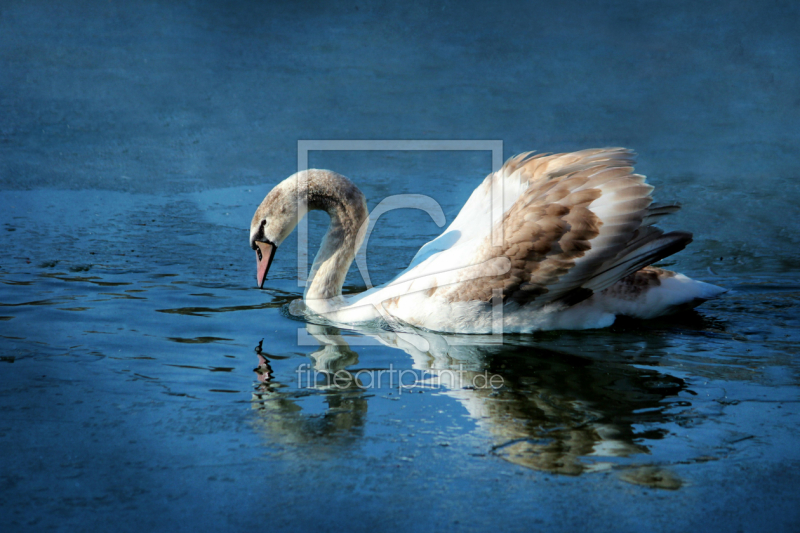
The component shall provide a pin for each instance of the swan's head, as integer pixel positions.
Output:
(288, 202)
(275, 219)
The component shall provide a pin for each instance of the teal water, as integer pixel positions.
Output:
(146, 384)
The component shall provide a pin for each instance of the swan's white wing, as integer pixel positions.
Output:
(484, 209)
(571, 224)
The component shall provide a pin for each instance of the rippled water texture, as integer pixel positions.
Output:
(145, 384)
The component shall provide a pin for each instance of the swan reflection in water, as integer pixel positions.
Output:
(282, 419)
(559, 407)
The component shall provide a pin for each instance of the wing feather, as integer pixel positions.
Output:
(572, 224)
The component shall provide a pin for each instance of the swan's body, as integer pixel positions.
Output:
(548, 242)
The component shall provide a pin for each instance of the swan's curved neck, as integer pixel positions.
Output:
(347, 207)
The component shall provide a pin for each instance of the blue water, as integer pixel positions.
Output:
(145, 384)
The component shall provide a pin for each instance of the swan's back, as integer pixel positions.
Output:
(570, 225)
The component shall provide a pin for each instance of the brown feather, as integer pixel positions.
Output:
(580, 214)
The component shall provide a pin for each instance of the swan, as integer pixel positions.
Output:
(561, 241)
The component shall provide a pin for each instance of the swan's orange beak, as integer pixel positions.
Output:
(265, 252)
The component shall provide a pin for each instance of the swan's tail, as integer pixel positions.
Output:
(653, 292)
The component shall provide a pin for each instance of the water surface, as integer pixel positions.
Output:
(145, 384)
(132, 329)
